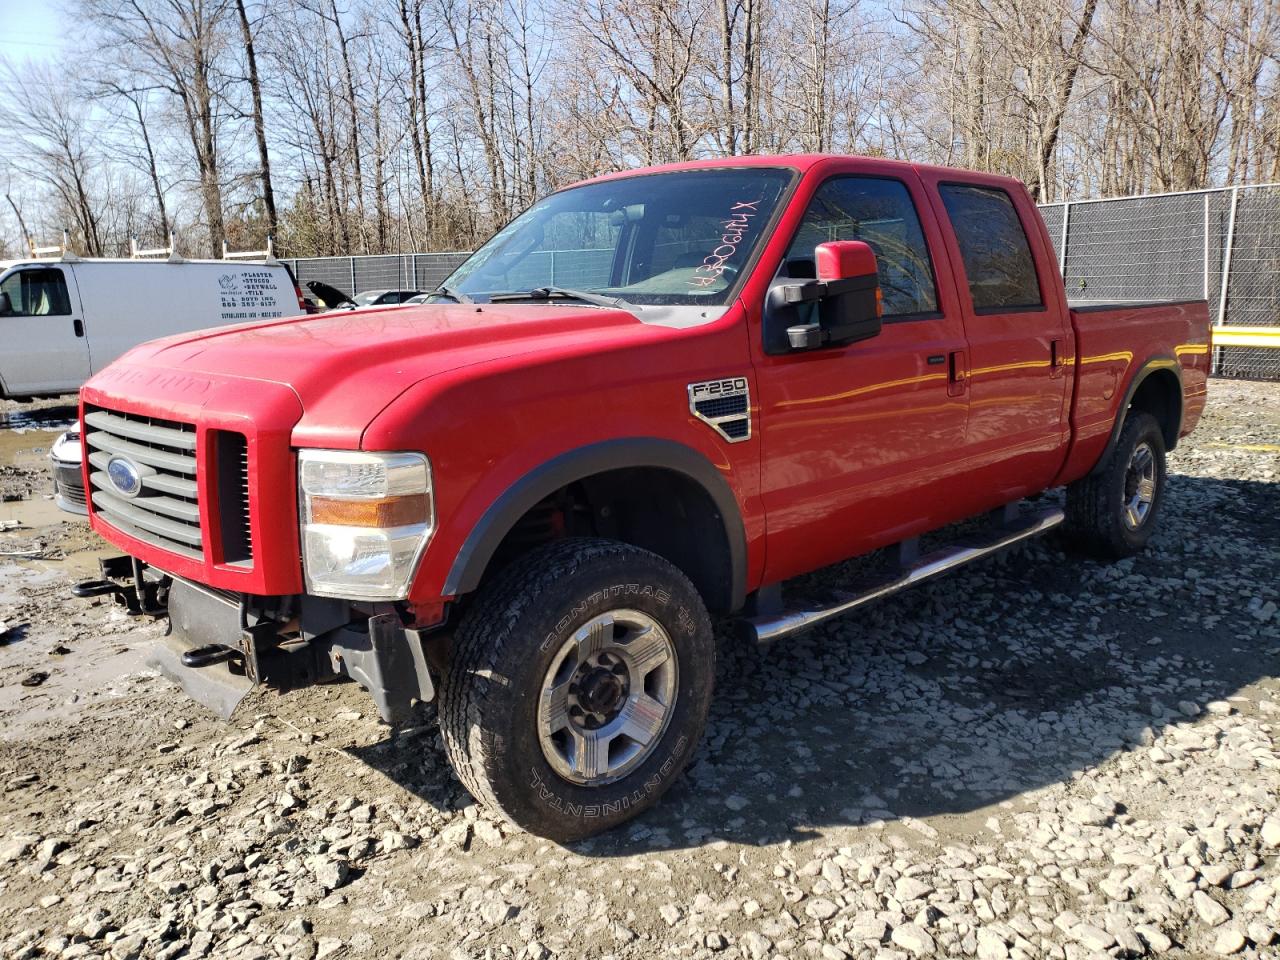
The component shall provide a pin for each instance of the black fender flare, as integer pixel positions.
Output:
(578, 464)
(1150, 366)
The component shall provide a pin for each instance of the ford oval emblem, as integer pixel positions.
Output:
(125, 477)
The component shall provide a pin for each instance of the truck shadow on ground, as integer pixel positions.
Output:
(1009, 676)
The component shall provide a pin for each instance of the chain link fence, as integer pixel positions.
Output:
(1180, 246)
(1172, 246)
(352, 275)
(426, 271)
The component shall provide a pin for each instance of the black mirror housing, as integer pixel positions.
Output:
(847, 311)
(821, 313)
(6, 305)
(842, 306)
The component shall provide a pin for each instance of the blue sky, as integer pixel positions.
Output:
(32, 29)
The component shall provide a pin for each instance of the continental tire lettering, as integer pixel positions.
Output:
(590, 811)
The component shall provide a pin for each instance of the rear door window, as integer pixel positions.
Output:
(39, 292)
(880, 213)
(993, 245)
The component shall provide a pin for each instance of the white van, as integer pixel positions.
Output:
(62, 320)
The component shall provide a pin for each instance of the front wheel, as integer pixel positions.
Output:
(578, 687)
(1112, 512)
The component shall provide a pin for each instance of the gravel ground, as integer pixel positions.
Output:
(1038, 757)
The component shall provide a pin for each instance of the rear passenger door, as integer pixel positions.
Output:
(1019, 335)
(42, 344)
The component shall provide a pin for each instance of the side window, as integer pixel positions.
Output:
(40, 292)
(880, 213)
(993, 245)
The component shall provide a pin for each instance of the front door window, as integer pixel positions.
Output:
(40, 292)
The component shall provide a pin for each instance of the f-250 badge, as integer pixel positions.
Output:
(725, 405)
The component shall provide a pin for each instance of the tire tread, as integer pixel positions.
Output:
(470, 688)
(1093, 523)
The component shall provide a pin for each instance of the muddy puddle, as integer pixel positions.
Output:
(56, 418)
(56, 655)
(93, 654)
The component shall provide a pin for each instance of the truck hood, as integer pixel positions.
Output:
(345, 367)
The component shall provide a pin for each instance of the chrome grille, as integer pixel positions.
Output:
(68, 482)
(166, 510)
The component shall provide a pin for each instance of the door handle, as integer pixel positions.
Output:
(78, 326)
(1056, 358)
(957, 374)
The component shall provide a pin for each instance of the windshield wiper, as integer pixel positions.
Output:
(549, 293)
(443, 291)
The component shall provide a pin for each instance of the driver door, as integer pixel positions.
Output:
(44, 347)
(861, 441)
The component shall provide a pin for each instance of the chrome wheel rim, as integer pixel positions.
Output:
(1139, 486)
(607, 697)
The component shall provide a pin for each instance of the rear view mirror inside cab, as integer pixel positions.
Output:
(843, 305)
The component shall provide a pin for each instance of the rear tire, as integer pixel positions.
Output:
(550, 715)
(1112, 512)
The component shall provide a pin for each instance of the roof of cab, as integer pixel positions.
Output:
(801, 162)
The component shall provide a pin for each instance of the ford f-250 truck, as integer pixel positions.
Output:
(654, 397)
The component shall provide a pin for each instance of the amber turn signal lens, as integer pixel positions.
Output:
(879, 302)
(387, 512)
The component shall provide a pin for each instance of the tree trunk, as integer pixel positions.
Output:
(152, 170)
(259, 128)
(353, 113)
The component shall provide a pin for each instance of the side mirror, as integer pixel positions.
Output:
(842, 306)
(847, 295)
(6, 305)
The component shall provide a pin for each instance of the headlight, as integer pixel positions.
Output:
(366, 518)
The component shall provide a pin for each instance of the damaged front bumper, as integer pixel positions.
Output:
(219, 646)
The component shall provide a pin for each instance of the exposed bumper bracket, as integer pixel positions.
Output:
(388, 661)
(220, 646)
(125, 579)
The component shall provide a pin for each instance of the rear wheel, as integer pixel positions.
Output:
(579, 686)
(1112, 513)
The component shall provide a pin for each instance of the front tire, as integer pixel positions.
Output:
(1112, 513)
(579, 686)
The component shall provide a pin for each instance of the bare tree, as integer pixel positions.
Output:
(357, 125)
(178, 44)
(47, 127)
(259, 124)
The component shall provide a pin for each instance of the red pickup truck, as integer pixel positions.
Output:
(653, 398)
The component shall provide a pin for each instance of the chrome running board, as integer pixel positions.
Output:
(766, 629)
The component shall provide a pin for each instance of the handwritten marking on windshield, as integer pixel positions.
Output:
(709, 271)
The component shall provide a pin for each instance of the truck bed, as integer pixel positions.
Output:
(1112, 338)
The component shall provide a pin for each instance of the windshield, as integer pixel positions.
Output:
(679, 238)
